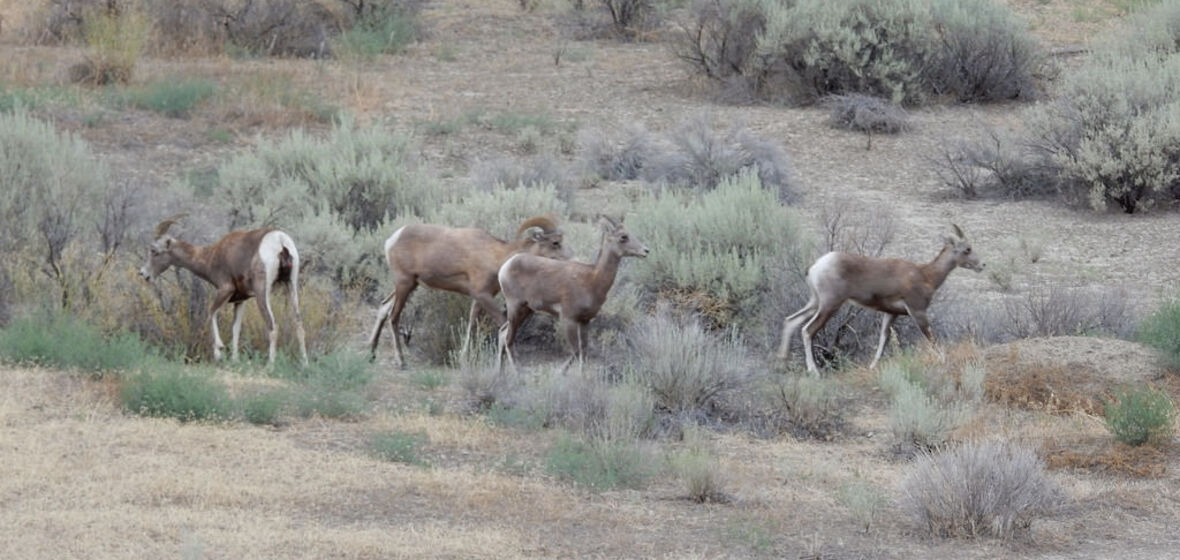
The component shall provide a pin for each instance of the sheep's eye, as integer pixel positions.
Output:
(967, 251)
(623, 239)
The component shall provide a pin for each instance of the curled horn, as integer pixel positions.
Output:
(958, 232)
(547, 223)
(163, 226)
(609, 220)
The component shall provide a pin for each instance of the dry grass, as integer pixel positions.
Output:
(1107, 456)
(1043, 386)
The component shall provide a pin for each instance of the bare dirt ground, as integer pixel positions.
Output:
(79, 478)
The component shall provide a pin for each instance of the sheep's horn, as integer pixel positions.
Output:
(547, 223)
(162, 227)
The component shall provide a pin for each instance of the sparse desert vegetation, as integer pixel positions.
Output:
(732, 136)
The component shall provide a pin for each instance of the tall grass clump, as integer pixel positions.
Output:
(689, 371)
(336, 195)
(979, 489)
(1161, 330)
(1138, 416)
(719, 250)
(698, 469)
(64, 342)
(176, 391)
(116, 38)
(905, 51)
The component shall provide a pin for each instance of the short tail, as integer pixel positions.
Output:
(287, 263)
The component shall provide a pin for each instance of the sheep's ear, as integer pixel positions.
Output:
(958, 232)
(536, 235)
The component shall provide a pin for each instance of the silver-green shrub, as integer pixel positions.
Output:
(727, 243)
(61, 222)
(928, 402)
(338, 194)
(810, 405)
(1111, 135)
(688, 370)
(693, 155)
(979, 489)
(51, 185)
(904, 50)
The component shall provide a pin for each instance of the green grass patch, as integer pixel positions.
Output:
(429, 379)
(599, 465)
(68, 343)
(10, 99)
(263, 407)
(399, 447)
(506, 122)
(35, 97)
(514, 122)
(171, 98)
(388, 33)
(177, 391)
(527, 418)
(330, 386)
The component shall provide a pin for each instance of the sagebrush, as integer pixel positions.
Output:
(979, 489)
(906, 51)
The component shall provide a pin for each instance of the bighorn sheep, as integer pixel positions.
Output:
(460, 260)
(891, 286)
(571, 291)
(241, 265)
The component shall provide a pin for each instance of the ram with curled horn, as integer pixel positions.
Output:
(894, 287)
(242, 265)
(460, 260)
